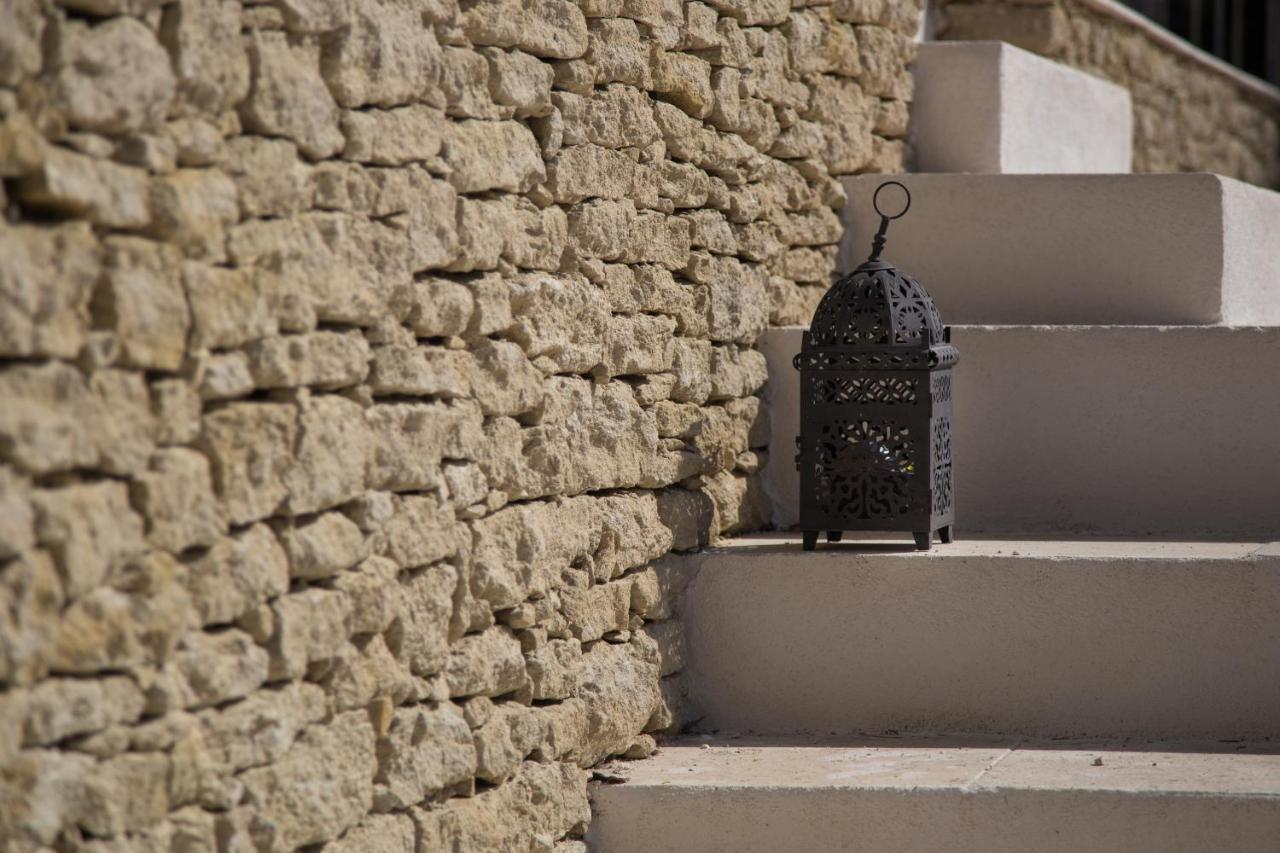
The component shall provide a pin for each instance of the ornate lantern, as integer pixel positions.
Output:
(875, 406)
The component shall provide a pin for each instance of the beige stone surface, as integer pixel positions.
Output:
(361, 361)
(1186, 117)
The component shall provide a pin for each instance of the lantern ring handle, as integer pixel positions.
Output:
(875, 199)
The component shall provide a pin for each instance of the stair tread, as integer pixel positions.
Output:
(966, 764)
(1083, 548)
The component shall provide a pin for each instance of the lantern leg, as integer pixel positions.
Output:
(924, 541)
(944, 535)
(834, 535)
(810, 540)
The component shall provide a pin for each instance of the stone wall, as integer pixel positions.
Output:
(361, 361)
(1187, 116)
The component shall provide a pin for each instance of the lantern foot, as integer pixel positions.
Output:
(834, 535)
(944, 535)
(810, 540)
(924, 541)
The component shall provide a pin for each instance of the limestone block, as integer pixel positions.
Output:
(597, 610)
(519, 80)
(411, 439)
(753, 12)
(270, 179)
(602, 229)
(847, 117)
(685, 80)
(736, 372)
(20, 52)
(421, 530)
(311, 626)
(66, 707)
(465, 83)
(251, 448)
(47, 277)
(658, 239)
(564, 319)
(376, 598)
(111, 630)
(488, 664)
(107, 194)
(177, 411)
(365, 671)
(209, 58)
(338, 761)
(175, 495)
(315, 16)
(191, 208)
(334, 444)
(425, 751)
(616, 116)
(493, 155)
(688, 515)
(669, 637)
(143, 303)
(428, 596)
(209, 669)
(323, 547)
(819, 45)
(321, 359)
(127, 792)
(737, 301)
(616, 53)
(237, 574)
(90, 529)
(225, 376)
(260, 728)
(229, 307)
(388, 56)
(503, 380)
(590, 171)
(555, 29)
(741, 503)
(289, 98)
(632, 533)
(639, 344)
(32, 597)
(619, 684)
(392, 833)
(393, 137)
(552, 668)
(418, 371)
(112, 78)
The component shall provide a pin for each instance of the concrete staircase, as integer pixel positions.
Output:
(1095, 664)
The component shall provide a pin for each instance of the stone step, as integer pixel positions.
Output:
(1106, 249)
(941, 794)
(1095, 430)
(1083, 638)
(990, 107)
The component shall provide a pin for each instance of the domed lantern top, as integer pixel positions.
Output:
(874, 449)
(879, 307)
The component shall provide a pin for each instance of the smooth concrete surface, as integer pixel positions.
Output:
(940, 794)
(1079, 430)
(990, 107)
(1079, 249)
(1033, 638)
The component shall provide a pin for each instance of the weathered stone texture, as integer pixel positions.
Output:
(1187, 117)
(360, 362)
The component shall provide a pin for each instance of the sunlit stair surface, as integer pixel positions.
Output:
(950, 794)
(1037, 638)
(1167, 431)
(1070, 249)
(982, 107)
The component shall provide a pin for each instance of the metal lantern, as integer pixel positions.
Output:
(874, 449)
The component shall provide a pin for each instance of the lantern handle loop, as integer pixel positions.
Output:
(877, 245)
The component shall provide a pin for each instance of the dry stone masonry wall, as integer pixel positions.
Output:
(1187, 117)
(362, 359)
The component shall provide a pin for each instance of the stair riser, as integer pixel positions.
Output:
(1061, 249)
(780, 820)
(836, 641)
(991, 107)
(1105, 430)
